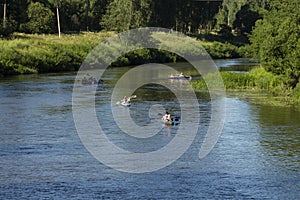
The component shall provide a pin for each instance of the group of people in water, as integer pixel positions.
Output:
(91, 81)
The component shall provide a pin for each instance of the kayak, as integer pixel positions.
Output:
(127, 104)
(180, 77)
(168, 122)
(173, 121)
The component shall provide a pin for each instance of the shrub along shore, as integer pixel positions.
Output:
(28, 53)
(261, 86)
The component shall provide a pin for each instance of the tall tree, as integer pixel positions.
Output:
(57, 16)
(41, 19)
(123, 15)
(56, 4)
(162, 17)
(4, 13)
(228, 11)
(245, 20)
(87, 11)
(276, 40)
(98, 9)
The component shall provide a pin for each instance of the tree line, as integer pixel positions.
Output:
(187, 16)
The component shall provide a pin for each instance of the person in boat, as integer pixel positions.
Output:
(124, 100)
(167, 116)
(84, 80)
(100, 82)
(181, 75)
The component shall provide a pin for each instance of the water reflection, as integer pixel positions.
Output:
(280, 136)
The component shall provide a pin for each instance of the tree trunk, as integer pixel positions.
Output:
(4, 14)
(87, 10)
(58, 22)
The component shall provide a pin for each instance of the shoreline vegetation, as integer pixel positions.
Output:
(40, 53)
(258, 86)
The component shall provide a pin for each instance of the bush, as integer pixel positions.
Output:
(41, 19)
(296, 91)
(222, 50)
(257, 78)
(246, 51)
(7, 29)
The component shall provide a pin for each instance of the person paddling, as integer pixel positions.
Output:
(167, 116)
(124, 100)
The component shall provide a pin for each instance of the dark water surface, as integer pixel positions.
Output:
(41, 155)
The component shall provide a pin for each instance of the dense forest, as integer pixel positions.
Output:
(187, 16)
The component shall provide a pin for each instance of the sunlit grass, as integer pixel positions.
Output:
(258, 83)
(33, 53)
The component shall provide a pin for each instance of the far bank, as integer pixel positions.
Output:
(28, 53)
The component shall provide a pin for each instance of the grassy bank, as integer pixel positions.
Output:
(46, 53)
(257, 84)
(24, 53)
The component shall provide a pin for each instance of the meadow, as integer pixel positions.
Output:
(41, 53)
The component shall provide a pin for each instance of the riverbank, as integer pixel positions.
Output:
(27, 53)
(258, 85)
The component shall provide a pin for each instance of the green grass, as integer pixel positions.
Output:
(32, 53)
(258, 82)
(46, 53)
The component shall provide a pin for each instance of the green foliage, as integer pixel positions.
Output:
(230, 80)
(118, 16)
(222, 50)
(258, 79)
(241, 15)
(181, 45)
(276, 40)
(93, 15)
(246, 51)
(245, 20)
(227, 13)
(264, 80)
(297, 91)
(47, 53)
(123, 15)
(7, 28)
(32, 53)
(41, 19)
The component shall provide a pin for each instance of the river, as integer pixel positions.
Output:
(42, 157)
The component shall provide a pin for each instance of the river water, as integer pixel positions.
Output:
(41, 155)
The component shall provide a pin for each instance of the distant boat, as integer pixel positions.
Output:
(180, 77)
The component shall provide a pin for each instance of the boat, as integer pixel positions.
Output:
(127, 104)
(168, 122)
(173, 121)
(180, 77)
(126, 101)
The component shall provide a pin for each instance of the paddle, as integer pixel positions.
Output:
(131, 97)
(176, 118)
